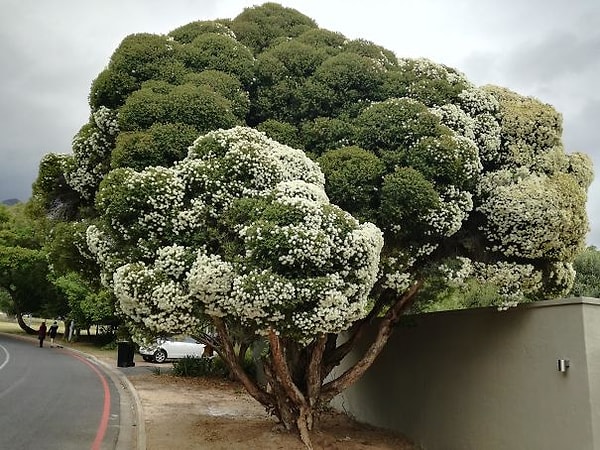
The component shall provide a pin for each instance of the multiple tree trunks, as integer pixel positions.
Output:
(294, 390)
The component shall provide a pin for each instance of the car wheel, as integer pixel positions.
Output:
(160, 356)
(147, 358)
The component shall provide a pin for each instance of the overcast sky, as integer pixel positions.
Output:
(50, 51)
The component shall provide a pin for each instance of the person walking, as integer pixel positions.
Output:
(52, 333)
(42, 333)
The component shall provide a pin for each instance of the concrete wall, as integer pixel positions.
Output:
(484, 379)
(591, 323)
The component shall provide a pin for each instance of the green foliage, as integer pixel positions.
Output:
(283, 132)
(213, 367)
(65, 249)
(350, 82)
(430, 83)
(212, 51)
(295, 60)
(258, 27)
(354, 179)
(23, 264)
(325, 133)
(325, 40)
(436, 295)
(88, 305)
(144, 56)
(51, 192)
(396, 124)
(5, 301)
(446, 169)
(587, 274)
(191, 366)
(198, 106)
(406, 198)
(187, 33)
(111, 88)
(226, 85)
(160, 145)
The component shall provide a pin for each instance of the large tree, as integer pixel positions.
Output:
(461, 182)
(24, 267)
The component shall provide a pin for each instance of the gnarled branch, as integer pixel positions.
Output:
(392, 316)
(228, 353)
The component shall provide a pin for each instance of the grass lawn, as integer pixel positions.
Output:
(84, 344)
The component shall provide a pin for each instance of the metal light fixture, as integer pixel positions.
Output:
(563, 365)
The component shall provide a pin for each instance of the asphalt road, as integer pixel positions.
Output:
(51, 398)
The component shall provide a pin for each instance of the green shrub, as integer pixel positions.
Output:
(191, 366)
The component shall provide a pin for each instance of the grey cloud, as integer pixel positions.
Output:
(560, 54)
(51, 52)
(579, 135)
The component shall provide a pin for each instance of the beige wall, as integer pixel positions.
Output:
(591, 317)
(484, 379)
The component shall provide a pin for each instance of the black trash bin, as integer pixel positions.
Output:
(125, 352)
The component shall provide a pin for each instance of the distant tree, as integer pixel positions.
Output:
(24, 268)
(587, 274)
(88, 305)
(470, 188)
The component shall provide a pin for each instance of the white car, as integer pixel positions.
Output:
(173, 347)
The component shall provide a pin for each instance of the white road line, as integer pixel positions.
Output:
(7, 357)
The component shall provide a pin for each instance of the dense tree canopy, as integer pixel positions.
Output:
(587, 278)
(458, 183)
(24, 270)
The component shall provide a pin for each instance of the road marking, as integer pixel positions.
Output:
(105, 410)
(7, 357)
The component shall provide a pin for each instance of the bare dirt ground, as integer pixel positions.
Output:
(214, 414)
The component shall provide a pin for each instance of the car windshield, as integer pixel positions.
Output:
(183, 338)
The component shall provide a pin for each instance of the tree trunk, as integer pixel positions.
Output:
(26, 328)
(334, 387)
(300, 410)
(294, 390)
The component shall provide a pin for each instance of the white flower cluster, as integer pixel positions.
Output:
(397, 280)
(325, 241)
(396, 272)
(298, 189)
(153, 301)
(139, 216)
(455, 206)
(530, 215)
(91, 150)
(172, 261)
(461, 273)
(60, 160)
(243, 163)
(106, 120)
(475, 101)
(482, 108)
(581, 168)
(103, 249)
(488, 138)
(308, 271)
(512, 280)
(456, 119)
(424, 68)
(210, 281)
(562, 276)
